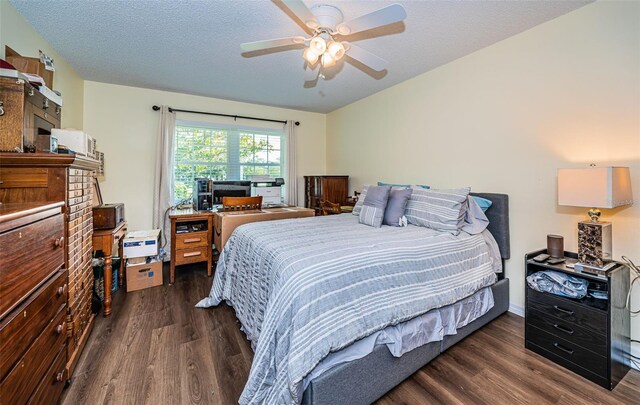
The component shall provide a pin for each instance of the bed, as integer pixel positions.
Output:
(318, 287)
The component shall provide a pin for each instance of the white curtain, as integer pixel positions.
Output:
(292, 177)
(163, 183)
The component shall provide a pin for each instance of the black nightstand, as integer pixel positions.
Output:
(588, 336)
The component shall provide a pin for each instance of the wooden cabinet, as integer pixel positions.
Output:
(588, 336)
(325, 188)
(51, 177)
(34, 302)
(27, 113)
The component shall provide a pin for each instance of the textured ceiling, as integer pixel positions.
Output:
(194, 46)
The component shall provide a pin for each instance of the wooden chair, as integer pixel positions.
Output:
(241, 203)
(329, 208)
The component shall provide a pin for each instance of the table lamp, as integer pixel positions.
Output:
(594, 187)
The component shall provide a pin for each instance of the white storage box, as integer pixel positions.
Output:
(141, 243)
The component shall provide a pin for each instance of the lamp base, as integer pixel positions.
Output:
(594, 243)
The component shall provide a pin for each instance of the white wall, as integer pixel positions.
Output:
(19, 35)
(125, 127)
(563, 94)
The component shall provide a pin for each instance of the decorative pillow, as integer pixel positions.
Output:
(374, 204)
(394, 185)
(358, 206)
(442, 210)
(396, 204)
(482, 202)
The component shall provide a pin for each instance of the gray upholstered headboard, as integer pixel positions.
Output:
(498, 215)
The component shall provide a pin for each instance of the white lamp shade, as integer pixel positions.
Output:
(595, 187)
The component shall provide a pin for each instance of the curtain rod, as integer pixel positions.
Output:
(157, 108)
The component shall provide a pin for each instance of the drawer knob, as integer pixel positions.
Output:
(62, 290)
(59, 242)
(564, 349)
(60, 328)
(566, 311)
(191, 254)
(60, 377)
(563, 329)
(192, 240)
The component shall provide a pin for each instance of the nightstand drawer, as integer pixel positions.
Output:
(567, 350)
(578, 335)
(569, 311)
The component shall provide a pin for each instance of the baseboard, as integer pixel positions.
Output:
(516, 309)
(635, 351)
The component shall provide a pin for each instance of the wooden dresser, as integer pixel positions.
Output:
(325, 188)
(33, 308)
(44, 177)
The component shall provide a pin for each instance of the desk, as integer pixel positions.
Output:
(104, 239)
(191, 238)
(224, 223)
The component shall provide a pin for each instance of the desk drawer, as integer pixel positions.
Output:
(25, 376)
(569, 311)
(24, 324)
(193, 255)
(29, 255)
(190, 240)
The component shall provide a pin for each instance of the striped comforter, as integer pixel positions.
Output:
(303, 288)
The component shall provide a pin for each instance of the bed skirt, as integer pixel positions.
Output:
(364, 380)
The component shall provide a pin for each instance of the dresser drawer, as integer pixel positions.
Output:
(26, 322)
(592, 341)
(568, 351)
(20, 383)
(50, 388)
(193, 255)
(574, 313)
(29, 255)
(191, 240)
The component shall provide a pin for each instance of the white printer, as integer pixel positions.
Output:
(269, 188)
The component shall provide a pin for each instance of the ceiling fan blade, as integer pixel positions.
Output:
(271, 43)
(384, 16)
(311, 72)
(365, 57)
(301, 11)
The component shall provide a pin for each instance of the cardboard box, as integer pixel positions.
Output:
(224, 223)
(141, 243)
(144, 275)
(29, 65)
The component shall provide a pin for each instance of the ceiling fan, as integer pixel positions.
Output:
(326, 45)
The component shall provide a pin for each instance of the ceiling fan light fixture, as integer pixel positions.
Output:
(318, 45)
(336, 50)
(310, 56)
(327, 60)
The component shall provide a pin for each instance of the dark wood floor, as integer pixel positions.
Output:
(157, 348)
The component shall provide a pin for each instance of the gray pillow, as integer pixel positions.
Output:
(358, 206)
(396, 204)
(374, 205)
(442, 210)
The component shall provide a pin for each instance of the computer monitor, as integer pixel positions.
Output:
(229, 188)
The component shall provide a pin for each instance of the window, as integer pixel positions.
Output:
(223, 153)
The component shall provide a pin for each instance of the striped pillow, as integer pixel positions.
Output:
(372, 212)
(371, 216)
(358, 206)
(442, 210)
